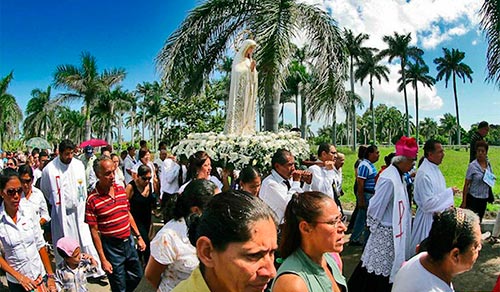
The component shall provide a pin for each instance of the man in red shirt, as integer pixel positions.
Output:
(112, 226)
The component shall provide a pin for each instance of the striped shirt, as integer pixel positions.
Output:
(111, 215)
(367, 172)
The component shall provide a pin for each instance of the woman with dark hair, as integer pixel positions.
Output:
(24, 257)
(32, 196)
(173, 258)
(452, 248)
(235, 241)
(140, 195)
(365, 179)
(11, 163)
(313, 229)
(477, 188)
(200, 167)
(250, 181)
(145, 159)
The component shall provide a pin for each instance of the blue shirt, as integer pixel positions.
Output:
(367, 172)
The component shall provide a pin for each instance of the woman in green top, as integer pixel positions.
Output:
(313, 229)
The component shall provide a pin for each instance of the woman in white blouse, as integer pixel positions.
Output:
(25, 258)
(32, 196)
(173, 258)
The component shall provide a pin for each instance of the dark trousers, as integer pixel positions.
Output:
(14, 287)
(476, 205)
(127, 270)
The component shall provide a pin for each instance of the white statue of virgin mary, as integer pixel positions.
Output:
(240, 111)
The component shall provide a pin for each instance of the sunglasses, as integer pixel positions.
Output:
(13, 192)
(146, 178)
(26, 181)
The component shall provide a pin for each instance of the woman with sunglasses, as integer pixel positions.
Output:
(32, 196)
(140, 195)
(25, 258)
(313, 229)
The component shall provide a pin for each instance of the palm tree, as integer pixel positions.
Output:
(451, 65)
(73, 125)
(191, 52)
(369, 67)
(86, 83)
(490, 23)
(41, 113)
(429, 128)
(448, 126)
(355, 50)
(295, 82)
(415, 73)
(399, 47)
(10, 113)
(153, 94)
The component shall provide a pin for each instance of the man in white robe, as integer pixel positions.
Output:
(389, 220)
(63, 183)
(430, 192)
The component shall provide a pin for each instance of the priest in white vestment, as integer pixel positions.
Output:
(63, 183)
(240, 110)
(430, 192)
(389, 220)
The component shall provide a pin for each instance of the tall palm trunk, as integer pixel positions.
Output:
(303, 117)
(120, 125)
(334, 124)
(109, 136)
(271, 110)
(456, 109)
(132, 126)
(297, 109)
(353, 106)
(87, 122)
(403, 65)
(416, 113)
(372, 97)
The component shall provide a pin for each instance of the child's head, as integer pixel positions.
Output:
(69, 250)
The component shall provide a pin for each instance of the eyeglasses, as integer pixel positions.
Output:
(10, 164)
(13, 192)
(146, 178)
(335, 222)
(26, 181)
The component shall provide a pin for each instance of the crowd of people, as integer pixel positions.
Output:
(238, 230)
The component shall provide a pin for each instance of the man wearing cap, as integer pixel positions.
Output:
(63, 183)
(389, 220)
(87, 159)
(431, 194)
(112, 227)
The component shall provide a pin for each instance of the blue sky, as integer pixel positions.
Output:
(37, 36)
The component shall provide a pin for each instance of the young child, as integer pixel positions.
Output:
(71, 274)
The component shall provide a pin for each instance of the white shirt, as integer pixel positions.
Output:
(276, 194)
(37, 203)
(322, 180)
(128, 164)
(169, 174)
(213, 179)
(21, 242)
(431, 195)
(171, 247)
(37, 173)
(413, 277)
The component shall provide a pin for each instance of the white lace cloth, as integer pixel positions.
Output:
(378, 256)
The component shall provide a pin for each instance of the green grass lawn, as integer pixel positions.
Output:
(453, 167)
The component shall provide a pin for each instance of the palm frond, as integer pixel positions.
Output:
(490, 23)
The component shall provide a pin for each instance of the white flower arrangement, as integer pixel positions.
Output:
(240, 151)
